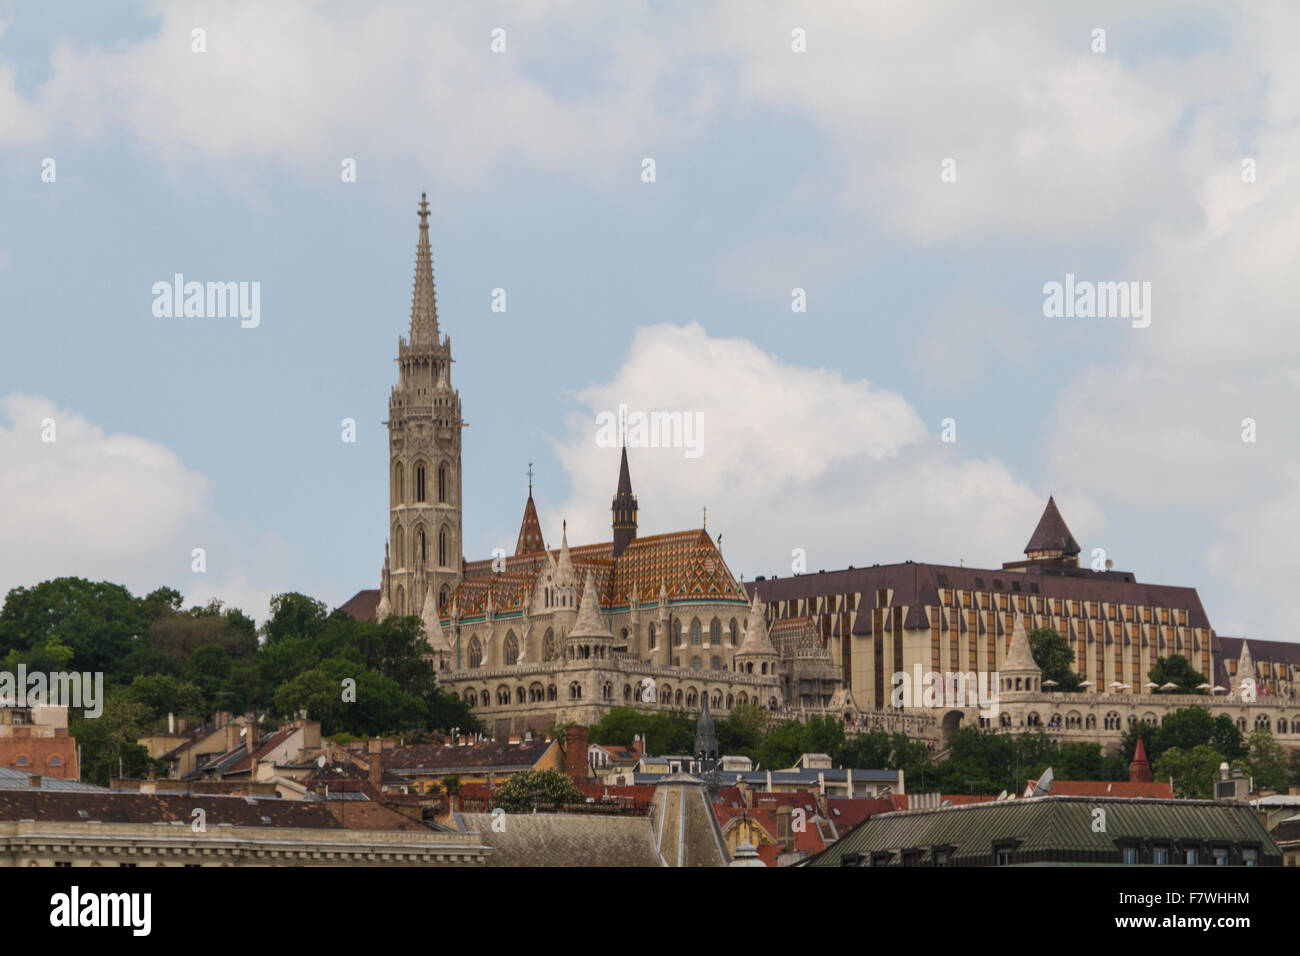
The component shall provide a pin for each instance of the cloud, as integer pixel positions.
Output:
(115, 507)
(792, 457)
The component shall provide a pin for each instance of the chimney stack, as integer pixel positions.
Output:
(376, 763)
(575, 754)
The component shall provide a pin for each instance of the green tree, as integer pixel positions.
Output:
(1054, 657)
(108, 742)
(1178, 670)
(295, 615)
(1193, 771)
(533, 789)
(163, 695)
(100, 621)
(1267, 760)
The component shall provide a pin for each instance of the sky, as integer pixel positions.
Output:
(921, 171)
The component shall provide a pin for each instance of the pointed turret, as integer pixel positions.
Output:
(564, 566)
(530, 530)
(706, 738)
(424, 306)
(1139, 771)
(589, 623)
(1051, 539)
(624, 509)
(385, 608)
(1019, 662)
(756, 645)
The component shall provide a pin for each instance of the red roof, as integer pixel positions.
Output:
(1108, 788)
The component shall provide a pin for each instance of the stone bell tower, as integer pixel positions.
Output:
(424, 456)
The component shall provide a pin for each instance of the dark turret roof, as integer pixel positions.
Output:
(1052, 534)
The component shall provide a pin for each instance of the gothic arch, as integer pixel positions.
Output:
(510, 650)
(442, 547)
(715, 632)
(421, 482)
(475, 651)
(442, 482)
(399, 484)
(400, 604)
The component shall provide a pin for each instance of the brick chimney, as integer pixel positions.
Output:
(376, 763)
(575, 754)
(784, 831)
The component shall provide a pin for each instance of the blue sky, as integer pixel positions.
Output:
(775, 170)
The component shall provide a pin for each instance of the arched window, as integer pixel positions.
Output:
(735, 631)
(519, 695)
(511, 648)
(399, 484)
(551, 692)
(55, 760)
(442, 484)
(1241, 724)
(715, 632)
(716, 663)
(422, 548)
(548, 645)
(419, 482)
(1090, 722)
(716, 701)
(627, 692)
(607, 691)
(483, 698)
(696, 664)
(692, 697)
(1112, 720)
(652, 635)
(471, 698)
(677, 633)
(401, 601)
(1261, 722)
(475, 652)
(503, 696)
(442, 597)
(731, 701)
(442, 548)
(575, 691)
(696, 634)
(399, 547)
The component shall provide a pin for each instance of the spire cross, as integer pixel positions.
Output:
(424, 210)
(530, 479)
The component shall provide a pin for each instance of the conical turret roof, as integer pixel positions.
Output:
(756, 641)
(1019, 656)
(1052, 534)
(589, 623)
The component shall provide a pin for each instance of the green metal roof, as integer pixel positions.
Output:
(1043, 828)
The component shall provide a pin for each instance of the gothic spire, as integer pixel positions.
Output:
(424, 306)
(624, 509)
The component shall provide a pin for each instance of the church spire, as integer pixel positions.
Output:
(530, 531)
(424, 305)
(624, 509)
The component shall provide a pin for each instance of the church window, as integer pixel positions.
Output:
(715, 632)
(575, 691)
(652, 636)
(475, 652)
(696, 664)
(512, 649)
(696, 631)
(734, 631)
(519, 695)
(401, 601)
(442, 548)
(423, 549)
(677, 633)
(399, 484)
(419, 482)
(716, 663)
(442, 597)
(551, 692)
(548, 647)
(399, 548)
(442, 483)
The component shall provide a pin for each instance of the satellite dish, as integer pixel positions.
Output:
(1044, 785)
(1002, 796)
(320, 761)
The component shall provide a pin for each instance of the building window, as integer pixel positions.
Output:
(1220, 856)
(1129, 854)
(1002, 855)
(652, 636)
(419, 482)
(1160, 854)
(475, 652)
(1249, 856)
(512, 648)
(734, 631)
(423, 549)
(442, 548)
(715, 632)
(442, 483)
(1191, 857)
(696, 632)
(941, 857)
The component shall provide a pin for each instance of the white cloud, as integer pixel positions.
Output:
(792, 458)
(115, 507)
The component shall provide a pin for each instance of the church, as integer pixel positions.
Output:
(551, 635)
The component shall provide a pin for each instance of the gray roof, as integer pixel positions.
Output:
(11, 779)
(560, 839)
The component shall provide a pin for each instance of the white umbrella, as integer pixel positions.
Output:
(1086, 683)
(1050, 683)
(1202, 686)
(1217, 689)
(1169, 686)
(1151, 683)
(1116, 683)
